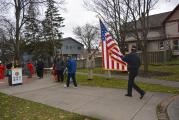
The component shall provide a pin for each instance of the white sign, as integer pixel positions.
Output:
(16, 76)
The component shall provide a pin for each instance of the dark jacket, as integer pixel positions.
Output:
(133, 61)
(9, 66)
(59, 64)
(40, 65)
(71, 66)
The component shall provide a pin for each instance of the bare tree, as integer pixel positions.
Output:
(88, 36)
(115, 14)
(139, 11)
(7, 37)
(19, 8)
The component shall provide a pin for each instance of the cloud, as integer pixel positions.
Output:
(77, 15)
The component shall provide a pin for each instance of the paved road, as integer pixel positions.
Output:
(102, 103)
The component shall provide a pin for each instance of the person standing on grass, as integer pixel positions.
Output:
(71, 67)
(134, 63)
(40, 68)
(30, 69)
(2, 70)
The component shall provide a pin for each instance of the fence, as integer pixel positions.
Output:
(157, 57)
(153, 58)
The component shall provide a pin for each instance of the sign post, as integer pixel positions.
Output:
(16, 76)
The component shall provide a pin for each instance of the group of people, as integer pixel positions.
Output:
(5, 70)
(60, 67)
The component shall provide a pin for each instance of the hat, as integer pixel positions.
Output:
(69, 56)
(133, 47)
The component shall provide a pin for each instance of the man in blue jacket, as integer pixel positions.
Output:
(133, 62)
(71, 66)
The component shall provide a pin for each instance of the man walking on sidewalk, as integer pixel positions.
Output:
(71, 66)
(133, 62)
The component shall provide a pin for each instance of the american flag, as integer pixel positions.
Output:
(111, 54)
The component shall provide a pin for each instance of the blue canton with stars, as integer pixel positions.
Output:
(103, 31)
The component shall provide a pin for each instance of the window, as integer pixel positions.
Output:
(79, 48)
(161, 45)
(74, 47)
(176, 45)
(67, 47)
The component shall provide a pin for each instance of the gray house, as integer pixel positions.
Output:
(163, 33)
(72, 47)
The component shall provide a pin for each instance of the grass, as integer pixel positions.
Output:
(13, 108)
(172, 69)
(116, 83)
(173, 61)
(168, 72)
(100, 71)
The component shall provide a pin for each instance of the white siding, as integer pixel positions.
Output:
(172, 29)
(154, 34)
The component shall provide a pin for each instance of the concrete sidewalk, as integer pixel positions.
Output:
(173, 109)
(102, 103)
(141, 79)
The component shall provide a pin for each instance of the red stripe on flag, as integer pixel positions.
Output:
(111, 46)
(119, 61)
(108, 35)
(116, 54)
(123, 67)
(103, 55)
(107, 57)
(112, 64)
(108, 41)
(115, 48)
(118, 66)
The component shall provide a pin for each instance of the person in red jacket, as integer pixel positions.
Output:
(2, 70)
(30, 69)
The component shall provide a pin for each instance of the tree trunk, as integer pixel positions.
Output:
(108, 75)
(17, 51)
(145, 59)
(90, 74)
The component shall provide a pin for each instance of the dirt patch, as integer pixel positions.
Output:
(154, 73)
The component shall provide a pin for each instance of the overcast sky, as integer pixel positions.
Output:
(76, 14)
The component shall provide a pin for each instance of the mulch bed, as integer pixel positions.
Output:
(154, 73)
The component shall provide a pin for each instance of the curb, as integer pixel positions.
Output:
(162, 108)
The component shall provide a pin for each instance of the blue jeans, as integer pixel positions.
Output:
(73, 76)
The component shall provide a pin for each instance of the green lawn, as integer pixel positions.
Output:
(116, 83)
(13, 108)
(173, 71)
(101, 71)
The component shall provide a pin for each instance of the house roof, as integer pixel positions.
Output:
(171, 13)
(70, 38)
(157, 19)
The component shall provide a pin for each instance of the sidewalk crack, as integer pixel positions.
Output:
(142, 107)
